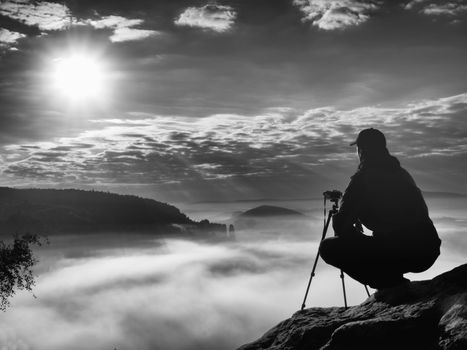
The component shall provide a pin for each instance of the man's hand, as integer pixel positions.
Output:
(358, 227)
(350, 230)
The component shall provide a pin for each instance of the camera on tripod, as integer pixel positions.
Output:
(333, 195)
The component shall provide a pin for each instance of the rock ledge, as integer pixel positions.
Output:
(424, 315)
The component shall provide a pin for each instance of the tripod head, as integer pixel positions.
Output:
(333, 196)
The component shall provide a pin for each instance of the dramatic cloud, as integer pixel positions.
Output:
(49, 16)
(218, 18)
(151, 149)
(204, 100)
(337, 14)
(45, 15)
(451, 8)
(8, 37)
(123, 28)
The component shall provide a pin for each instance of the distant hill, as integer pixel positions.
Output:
(443, 195)
(70, 210)
(272, 220)
(269, 210)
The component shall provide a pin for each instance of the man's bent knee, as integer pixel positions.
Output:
(328, 250)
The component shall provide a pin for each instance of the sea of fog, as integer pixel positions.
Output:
(116, 291)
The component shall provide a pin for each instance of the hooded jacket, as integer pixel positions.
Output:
(384, 197)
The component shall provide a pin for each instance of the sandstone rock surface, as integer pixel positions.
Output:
(424, 315)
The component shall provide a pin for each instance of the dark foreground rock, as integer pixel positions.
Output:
(422, 315)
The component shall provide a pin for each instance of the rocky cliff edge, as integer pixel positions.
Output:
(424, 315)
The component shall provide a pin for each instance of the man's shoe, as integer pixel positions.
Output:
(396, 294)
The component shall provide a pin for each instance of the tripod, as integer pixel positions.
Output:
(334, 210)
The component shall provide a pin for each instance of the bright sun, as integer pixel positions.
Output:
(78, 77)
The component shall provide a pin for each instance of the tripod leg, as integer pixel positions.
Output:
(366, 288)
(325, 229)
(309, 281)
(343, 289)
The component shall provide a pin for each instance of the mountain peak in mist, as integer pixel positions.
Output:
(270, 210)
(429, 314)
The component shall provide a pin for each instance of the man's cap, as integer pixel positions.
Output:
(370, 138)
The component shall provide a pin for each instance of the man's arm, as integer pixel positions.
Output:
(343, 222)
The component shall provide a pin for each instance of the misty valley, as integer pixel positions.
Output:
(166, 290)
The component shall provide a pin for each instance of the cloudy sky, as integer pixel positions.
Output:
(216, 100)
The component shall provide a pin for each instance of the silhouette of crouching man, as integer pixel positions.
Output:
(382, 196)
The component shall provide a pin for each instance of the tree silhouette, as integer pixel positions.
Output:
(16, 262)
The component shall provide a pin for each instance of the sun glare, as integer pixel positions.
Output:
(78, 77)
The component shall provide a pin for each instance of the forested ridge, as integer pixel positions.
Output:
(77, 210)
